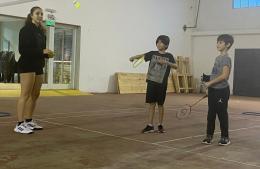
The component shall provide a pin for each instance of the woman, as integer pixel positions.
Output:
(32, 47)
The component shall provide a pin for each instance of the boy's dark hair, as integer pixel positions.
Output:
(228, 39)
(164, 39)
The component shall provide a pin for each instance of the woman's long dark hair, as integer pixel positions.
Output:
(28, 20)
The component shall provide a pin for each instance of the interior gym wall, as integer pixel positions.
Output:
(218, 17)
(114, 30)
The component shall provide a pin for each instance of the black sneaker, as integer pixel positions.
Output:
(207, 140)
(224, 141)
(161, 129)
(148, 129)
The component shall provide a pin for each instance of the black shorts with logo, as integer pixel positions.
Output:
(156, 93)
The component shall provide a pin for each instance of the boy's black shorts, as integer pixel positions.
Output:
(156, 93)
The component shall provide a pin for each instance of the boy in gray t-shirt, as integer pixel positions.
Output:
(218, 91)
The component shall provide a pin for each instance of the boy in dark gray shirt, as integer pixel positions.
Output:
(160, 65)
(218, 91)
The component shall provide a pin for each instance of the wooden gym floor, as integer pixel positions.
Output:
(103, 132)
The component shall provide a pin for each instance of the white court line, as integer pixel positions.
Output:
(93, 111)
(105, 114)
(85, 111)
(155, 144)
(201, 135)
(88, 115)
(103, 110)
(85, 115)
(108, 110)
(183, 138)
(245, 118)
(167, 141)
(168, 108)
(93, 115)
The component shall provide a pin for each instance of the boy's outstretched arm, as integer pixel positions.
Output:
(223, 76)
(136, 57)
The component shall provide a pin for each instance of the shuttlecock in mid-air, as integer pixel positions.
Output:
(76, 4)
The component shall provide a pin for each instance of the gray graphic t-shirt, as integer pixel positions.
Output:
(158, 73)
(220, 62)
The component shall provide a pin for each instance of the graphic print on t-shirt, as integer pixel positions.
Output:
(156, 70)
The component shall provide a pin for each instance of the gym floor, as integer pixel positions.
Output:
(102, 131)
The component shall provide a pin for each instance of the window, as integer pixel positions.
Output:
(246, 3)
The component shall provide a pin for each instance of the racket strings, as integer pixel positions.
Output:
(186, 110)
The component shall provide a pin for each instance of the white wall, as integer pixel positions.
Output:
(114, 30)
(205, 52)
(218, 17)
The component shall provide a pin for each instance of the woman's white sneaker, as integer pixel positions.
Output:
(22, 129)
(33, 125)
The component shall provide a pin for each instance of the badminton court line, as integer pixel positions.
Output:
(116, 109)
(154, 144)
(201, 135)
(103, 110)
(105, 114)
(84, 115)
(95, 115)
